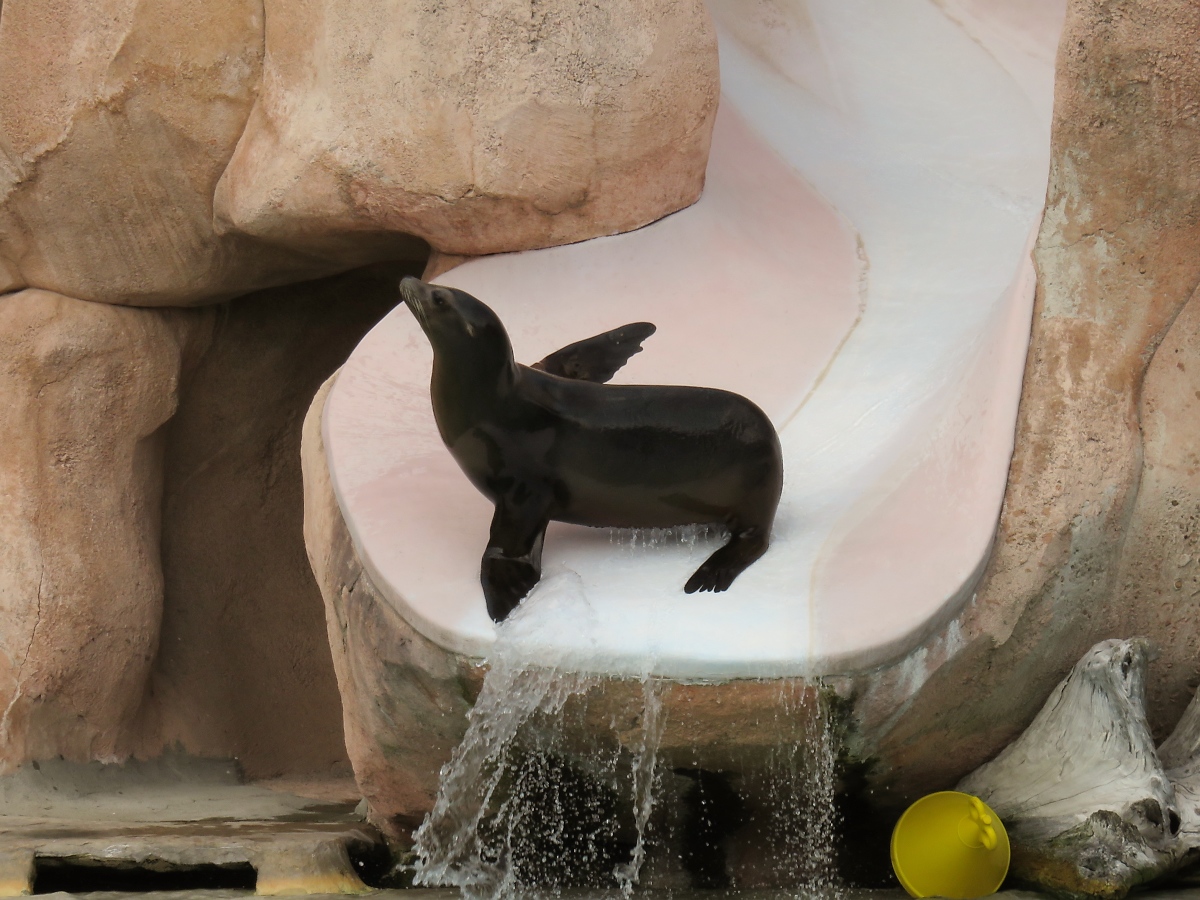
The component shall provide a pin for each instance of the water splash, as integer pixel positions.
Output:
(646, 781)
(523, 810)
(641, 540)
(456, 844)
(802, 788)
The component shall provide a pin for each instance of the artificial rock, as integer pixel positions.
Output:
(478, 127)
(117, 118)
(1095, 534)
(244, 668)
(404, 699)
(87, 388)
(152, 566)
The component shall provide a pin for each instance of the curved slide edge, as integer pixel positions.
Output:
(858, 265)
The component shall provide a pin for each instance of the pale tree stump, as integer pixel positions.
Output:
(1089, 808)
(1180, 757)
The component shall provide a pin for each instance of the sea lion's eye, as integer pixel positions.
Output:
(439, 300)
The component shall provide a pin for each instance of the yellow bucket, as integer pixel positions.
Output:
(952, 845)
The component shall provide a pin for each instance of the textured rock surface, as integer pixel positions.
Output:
(1159, 579)
(117, 118)
(87, 388)
(1091, 545)
(244, 668)
(404, 700)
(478, 127)
(152, 568)
(181, 812)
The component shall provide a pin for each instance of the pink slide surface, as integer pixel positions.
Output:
(858, 266)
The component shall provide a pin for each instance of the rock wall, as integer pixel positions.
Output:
(152, 566)
(405, 699)
(480, 127)
(244, 668)
(117, 118)
(146, 158)
(1158, 581)
(1099, 516)
(87, 390)
(366, 127)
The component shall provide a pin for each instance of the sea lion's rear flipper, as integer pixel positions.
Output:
(718, 571)
(597, 358)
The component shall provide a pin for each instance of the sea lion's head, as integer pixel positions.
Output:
(454, 321)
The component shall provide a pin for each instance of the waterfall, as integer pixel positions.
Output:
(802, 779)
(645, 781)
(523, 809)
(471, 837)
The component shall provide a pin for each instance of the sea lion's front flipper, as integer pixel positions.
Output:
(597, 358)
(512, 562)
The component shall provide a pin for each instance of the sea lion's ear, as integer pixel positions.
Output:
(597, 358)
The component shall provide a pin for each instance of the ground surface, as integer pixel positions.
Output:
(181, 813)
(448, 894)
(299, 836)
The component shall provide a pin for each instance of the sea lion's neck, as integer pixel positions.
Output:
(466, 390)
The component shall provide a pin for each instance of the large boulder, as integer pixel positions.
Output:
(1097, 532)
(152, 566)
(117, 118)
(373, 124)
(87, 388)
(478, 127)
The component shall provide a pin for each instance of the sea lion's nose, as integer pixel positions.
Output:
(410, 288)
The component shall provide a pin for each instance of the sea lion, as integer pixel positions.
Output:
(541, 445)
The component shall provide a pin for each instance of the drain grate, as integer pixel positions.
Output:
(79, 875)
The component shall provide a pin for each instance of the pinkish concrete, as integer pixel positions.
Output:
(883, 328)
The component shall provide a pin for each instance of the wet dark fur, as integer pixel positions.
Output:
(542, 446)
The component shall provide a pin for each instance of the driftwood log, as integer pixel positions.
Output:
(1090, 809)
(1180, 757)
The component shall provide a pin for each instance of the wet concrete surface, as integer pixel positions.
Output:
(299, 836)
(66, 824)
(453, 894)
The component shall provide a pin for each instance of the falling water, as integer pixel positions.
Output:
(523, 810)
(646, 781)
(465, 840)
(642, 539)
(801, 774)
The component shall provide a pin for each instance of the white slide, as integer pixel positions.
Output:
(858, 266)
